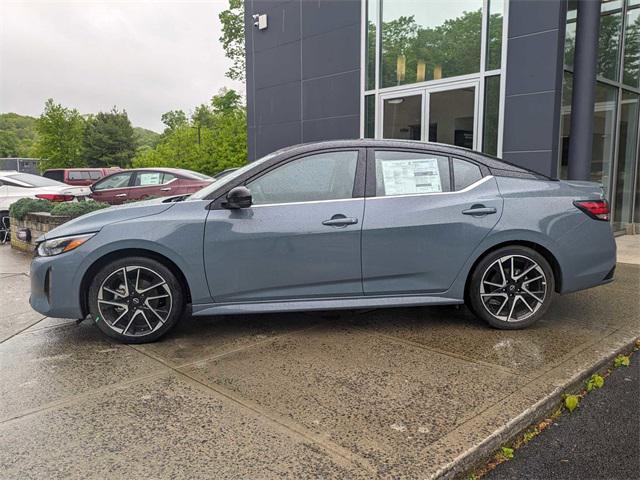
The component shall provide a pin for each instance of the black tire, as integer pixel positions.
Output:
(494, 293)
(145, 304)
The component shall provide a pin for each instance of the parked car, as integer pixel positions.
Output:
(224, 173)
(78, 176)
(333, 225)
(142, 183)
(16, 185)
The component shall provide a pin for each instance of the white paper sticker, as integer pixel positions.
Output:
(402, 177)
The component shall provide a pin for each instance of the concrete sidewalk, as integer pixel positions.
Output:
(418, 392)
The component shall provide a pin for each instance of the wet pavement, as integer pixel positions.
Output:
(389, 393)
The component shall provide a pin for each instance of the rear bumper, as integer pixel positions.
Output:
(587, 256)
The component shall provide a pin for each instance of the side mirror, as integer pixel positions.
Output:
(238, 197)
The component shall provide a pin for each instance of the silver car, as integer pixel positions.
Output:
(333, 225)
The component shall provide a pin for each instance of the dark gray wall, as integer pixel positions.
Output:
(534, 83)
(303, 72)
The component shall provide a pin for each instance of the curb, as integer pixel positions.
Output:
(482, 452)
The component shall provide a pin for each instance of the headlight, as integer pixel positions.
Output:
(56, 246)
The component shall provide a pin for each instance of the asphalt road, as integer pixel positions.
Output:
(600, 440)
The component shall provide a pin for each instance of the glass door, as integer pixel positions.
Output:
(402, 116)
(444, 114)
(452, 116)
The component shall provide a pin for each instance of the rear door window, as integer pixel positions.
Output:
(465, 174)
(410, 173)
(145, 179)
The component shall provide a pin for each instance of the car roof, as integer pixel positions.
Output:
(495, 165)
(4, 173)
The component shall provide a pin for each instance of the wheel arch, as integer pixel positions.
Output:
(129, 252)
(542, 250)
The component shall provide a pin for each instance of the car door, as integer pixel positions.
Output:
(425, 213)
(113, 189)
(299, 239)
(149, 183)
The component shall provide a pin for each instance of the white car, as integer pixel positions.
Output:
(16, 185)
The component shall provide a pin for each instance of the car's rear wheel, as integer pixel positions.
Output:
(135, 299)
(511, 287)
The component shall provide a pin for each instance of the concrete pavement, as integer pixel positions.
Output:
(413, 393)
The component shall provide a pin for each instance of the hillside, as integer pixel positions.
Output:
(18, 135)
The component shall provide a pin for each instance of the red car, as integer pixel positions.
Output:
(142, 183)
(78, 176)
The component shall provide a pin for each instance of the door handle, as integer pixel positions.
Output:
(165, 189)
(479, 210)
(121, 195)
(340, 221)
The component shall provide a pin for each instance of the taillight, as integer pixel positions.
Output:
(55, 197)
(597, 209)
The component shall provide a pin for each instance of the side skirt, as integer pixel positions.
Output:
(321, 304)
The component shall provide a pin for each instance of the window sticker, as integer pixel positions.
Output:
(402, 177)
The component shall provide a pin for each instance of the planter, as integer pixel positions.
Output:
(37, 223)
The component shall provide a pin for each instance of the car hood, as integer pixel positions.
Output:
(94, 221)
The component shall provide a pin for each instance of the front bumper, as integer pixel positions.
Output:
(55, 292)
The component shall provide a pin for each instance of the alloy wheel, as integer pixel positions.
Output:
(513, 288)
(134, 301)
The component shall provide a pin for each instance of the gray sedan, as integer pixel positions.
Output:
(334, 225)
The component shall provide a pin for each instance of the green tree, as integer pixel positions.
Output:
(213, 139)
(232, 38)
(109, 140)
(8, 144)
(174, 119)
(60, 132)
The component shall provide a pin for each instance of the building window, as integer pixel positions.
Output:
(627, 154)
(370, 116)
(429, 40)
(609, 39)
(494, 34)
(370, 54)
(632, 47)
(425, 74)
(491, 114)
(618, 70)
(604, 131)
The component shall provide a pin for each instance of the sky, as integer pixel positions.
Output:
(146, 57)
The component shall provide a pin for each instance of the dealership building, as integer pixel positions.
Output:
(551, 85)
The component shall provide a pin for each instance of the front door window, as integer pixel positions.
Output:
(326, 176)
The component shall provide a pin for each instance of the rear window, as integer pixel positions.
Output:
(57, 175)
(79, 175)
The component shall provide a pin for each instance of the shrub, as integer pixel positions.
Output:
(27, 205)
(76, 209)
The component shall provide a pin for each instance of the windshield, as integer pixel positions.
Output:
(200, 194)
(34, 180)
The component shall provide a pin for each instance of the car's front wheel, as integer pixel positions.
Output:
(135, 299)
(511, 287)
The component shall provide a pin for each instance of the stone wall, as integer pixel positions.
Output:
(38, 223)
